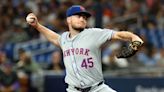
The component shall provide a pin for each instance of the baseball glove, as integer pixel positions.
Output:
(129, 51)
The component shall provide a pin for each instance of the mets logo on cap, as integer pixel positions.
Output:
(82, 8)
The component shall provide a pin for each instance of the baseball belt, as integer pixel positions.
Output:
(87, 89)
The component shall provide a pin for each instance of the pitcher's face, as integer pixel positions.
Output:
(78, 22)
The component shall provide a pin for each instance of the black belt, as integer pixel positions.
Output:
(87, 89)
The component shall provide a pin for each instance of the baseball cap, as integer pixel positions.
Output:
(77, 9)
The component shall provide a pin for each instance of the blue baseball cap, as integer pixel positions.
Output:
(77, 9)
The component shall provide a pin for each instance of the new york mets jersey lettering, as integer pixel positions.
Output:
(82, 56)
(77, 51)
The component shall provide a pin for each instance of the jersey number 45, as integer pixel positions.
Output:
(87, 63)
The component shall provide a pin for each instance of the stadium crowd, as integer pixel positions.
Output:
(149, 25)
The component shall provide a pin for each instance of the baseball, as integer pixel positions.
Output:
(29, 19)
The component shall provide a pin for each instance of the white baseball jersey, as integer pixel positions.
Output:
(82, 56)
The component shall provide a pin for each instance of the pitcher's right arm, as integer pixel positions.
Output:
(49, 34)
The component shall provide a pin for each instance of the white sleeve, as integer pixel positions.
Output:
(62, 38)
(59, 40)
(102, 35)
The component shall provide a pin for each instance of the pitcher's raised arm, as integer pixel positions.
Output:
(53, 37)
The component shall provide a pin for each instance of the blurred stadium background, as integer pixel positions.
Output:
(29, 63)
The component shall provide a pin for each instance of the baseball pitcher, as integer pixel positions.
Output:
(81, 48)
